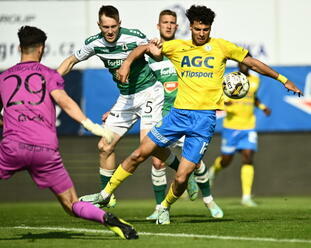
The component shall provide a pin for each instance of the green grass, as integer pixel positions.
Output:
(283, 220)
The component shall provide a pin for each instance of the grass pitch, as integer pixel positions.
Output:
(276, 222)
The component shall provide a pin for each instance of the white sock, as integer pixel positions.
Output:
(105, 195)
(105, 172)
(246, 197)
(208, 199)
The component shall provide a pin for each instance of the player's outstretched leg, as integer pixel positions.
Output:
(120, 227)
(86, 210)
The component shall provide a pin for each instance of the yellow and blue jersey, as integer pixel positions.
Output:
(200, 71)
(240, 113)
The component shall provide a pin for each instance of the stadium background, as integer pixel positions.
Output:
(271, 29)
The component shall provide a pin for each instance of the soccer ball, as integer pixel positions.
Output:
(235, 85)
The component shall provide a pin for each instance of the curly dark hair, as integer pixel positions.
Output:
(201, 14)
(31, 37)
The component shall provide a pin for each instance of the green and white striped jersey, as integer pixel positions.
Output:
(113, 55)
(166, 74)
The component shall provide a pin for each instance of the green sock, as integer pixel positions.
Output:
(159, 193)
(105, 176)
(104, 180)
(205, 188)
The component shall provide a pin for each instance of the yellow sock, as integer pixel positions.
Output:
(217, 165)
(117, 178)
(247, 178)
(170, 198)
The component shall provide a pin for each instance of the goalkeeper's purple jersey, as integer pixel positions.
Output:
(28, 108)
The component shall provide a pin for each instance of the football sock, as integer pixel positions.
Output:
(247, 178)
(170, 198)
(208, 199)
(201, 177)
(105, 176)
(159, 184)
(117, 178)
(87, 211)
(217, 165)
(172, 161)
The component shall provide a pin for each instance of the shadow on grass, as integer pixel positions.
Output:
(183, 219)
(209, 221)
(59, 235)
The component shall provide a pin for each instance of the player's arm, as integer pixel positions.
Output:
(67, 65)
(153, 49)
(73, 110)
(124, 71)
(262, 107)
(260, 67)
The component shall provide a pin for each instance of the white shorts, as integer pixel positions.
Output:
(146, 105)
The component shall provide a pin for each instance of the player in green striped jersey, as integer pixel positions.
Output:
(140, 97)
(166, 74)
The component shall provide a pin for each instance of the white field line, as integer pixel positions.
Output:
(181, 235)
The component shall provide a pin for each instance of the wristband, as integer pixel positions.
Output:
(262, 106)
(282, 79)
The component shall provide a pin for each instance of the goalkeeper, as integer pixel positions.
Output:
(28, 93)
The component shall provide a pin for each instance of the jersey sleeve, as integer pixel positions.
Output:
(85, 52)
(141, 37)
(168, 47)
(142, 42)
(232, 51)
(56, 82)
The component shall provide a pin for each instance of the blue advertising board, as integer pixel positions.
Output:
(289, 112)
(73, 86)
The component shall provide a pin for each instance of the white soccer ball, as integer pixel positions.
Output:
(235, 85)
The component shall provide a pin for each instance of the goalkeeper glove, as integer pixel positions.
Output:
(98, 130)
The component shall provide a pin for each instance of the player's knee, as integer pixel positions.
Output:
(138, 156)
(181, 179)
(104, 148)
(157, 164)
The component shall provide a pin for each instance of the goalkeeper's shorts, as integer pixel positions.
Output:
(44, 165)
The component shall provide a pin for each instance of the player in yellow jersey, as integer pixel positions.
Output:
(239, 135)
(165, 73)
(200, 64)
